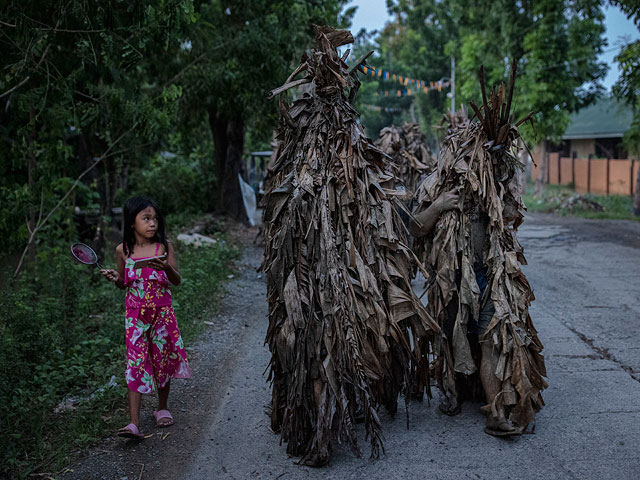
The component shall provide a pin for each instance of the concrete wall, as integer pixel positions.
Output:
(583, 147)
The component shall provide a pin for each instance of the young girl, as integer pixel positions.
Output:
(155, 352)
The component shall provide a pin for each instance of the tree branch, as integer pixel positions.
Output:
(181, 72)
(26, 79)
(42, 221)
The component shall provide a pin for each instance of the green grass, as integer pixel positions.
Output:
(62, 337)
(616, 207)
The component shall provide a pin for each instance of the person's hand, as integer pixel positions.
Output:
(111, 275)
(447, 201)
(159, 264)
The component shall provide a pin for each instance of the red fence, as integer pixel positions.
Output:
(590, 175)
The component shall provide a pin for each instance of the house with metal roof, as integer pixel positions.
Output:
(597, 130)
(591, 156)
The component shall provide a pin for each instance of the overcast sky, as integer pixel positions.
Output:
(372, 14)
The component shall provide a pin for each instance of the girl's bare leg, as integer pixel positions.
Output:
(163, 399)
(163, 396)
(135, 399)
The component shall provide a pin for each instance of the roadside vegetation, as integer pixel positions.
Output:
(563, 200)
(62, 350)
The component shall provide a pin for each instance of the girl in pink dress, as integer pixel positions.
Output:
(155, 352)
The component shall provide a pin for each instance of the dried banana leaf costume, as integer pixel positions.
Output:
(340, 300)
(479, 160)
(412, 162)
(408, 148)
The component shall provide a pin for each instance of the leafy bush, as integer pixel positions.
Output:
(62, 341)
(176, 181)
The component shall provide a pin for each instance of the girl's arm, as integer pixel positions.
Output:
(120, 283)
(116, 276)
(169, 266)
(172, 267)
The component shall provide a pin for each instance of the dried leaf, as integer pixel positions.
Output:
(479, 159)
(341, 307)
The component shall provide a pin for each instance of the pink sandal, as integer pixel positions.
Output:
(159, 415)
(130, 431)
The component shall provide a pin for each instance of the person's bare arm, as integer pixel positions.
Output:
(169, 266)
(423, 222)
(116, 276)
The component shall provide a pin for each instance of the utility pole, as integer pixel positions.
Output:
(453, 84)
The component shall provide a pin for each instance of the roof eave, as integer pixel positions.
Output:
(586, 136)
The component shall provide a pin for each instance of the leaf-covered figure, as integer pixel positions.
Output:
(412, 159)
(469, 210)
(340, 299)
(408, 148)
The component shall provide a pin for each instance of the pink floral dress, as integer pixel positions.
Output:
(155, 352)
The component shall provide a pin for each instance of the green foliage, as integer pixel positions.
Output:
(81, 80)
(369, 92)
(59, 340)
(413, 44)
(246, 48)
(175, 180)
(62, 340)
(555, 44)
(628, 85)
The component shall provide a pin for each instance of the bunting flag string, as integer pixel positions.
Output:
(399, 93)
(378, 108)
(420, 85)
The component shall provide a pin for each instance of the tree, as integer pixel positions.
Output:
(85, 92)
(555, 45)
(243, 49)
(413, 44)
(628, 86)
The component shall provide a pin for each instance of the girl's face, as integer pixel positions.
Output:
(146, 224)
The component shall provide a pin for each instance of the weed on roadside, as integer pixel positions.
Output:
(556, 199)
(62, 352)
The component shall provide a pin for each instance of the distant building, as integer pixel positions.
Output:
(597, 130)
(591, 157)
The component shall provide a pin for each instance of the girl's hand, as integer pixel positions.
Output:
(158, 264)
(111, 275)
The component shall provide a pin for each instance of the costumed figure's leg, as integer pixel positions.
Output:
(497, 422)
(318, 453)
(452, 404)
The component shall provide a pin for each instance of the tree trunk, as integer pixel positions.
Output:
(636, 196)
(412, 112)
(31, 171)
(228, 138)
(220, 144)
(106, 191)
(542, 175)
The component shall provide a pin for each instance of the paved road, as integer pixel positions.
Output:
(585, 275)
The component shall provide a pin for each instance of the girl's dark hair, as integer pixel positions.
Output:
(132, 208)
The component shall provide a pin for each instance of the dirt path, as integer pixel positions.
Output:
(585, 277)
(193, 402)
